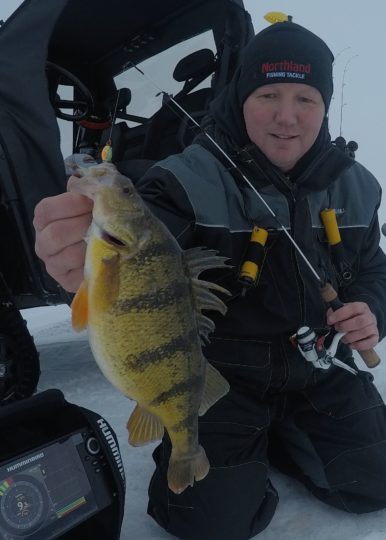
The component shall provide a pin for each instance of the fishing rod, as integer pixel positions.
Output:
(328, 293)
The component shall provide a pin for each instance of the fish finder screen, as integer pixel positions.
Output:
(44, 493)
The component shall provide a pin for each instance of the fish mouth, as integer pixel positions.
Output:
(78, 184)
(88, 181)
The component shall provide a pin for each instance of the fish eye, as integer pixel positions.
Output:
(111, 239)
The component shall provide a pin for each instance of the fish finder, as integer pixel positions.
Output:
(60, 485)
(48, 491)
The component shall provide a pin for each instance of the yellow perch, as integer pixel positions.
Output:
(141, 300)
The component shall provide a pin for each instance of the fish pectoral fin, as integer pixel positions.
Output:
(144, 427)
(79, 308)
(215, 388)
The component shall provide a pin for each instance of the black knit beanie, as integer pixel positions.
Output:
(286, 53)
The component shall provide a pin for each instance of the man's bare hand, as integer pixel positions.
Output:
(61, 224)
(359, 323)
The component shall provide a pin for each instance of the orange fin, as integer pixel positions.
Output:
(144, 427)
(79, 308)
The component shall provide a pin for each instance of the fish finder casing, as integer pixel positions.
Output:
(61, 474)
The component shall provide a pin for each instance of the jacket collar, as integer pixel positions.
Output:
(321, 166)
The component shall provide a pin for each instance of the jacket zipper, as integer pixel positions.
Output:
(292, 189)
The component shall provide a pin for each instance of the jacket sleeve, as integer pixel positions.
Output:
(370, 284)
(168, 200)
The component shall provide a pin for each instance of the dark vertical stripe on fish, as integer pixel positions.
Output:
(191, 386)
(140, 362)
(155, 250)
(185, 424)
(157, 299)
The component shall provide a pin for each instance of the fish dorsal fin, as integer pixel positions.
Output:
(206, 326)
(206, 299)
(144, 427)
(215, 388)
(199, 259)
(79, 308)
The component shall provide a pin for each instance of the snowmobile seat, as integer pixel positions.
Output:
(168, 124)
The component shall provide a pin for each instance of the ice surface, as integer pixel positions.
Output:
(67, 364)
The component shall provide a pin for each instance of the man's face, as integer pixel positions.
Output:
(284, 120)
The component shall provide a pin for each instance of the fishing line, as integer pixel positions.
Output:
(230, 160)
(114, 114)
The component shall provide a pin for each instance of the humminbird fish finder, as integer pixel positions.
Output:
(71, 486)
(53, 488)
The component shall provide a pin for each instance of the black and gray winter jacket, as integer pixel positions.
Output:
(204, 203)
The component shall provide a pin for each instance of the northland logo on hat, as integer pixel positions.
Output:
(285, 69)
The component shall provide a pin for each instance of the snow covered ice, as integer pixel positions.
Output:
(67, 364)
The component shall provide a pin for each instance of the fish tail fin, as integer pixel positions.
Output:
(183, 471)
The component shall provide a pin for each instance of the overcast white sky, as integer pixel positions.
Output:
(355, 31)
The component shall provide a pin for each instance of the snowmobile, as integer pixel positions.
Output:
(77, 78)
(107, 72)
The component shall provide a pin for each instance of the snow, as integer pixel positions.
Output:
(67, 364)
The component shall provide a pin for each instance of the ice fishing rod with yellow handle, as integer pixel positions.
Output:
(253, 258)
(328, 217)
(370, 357)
